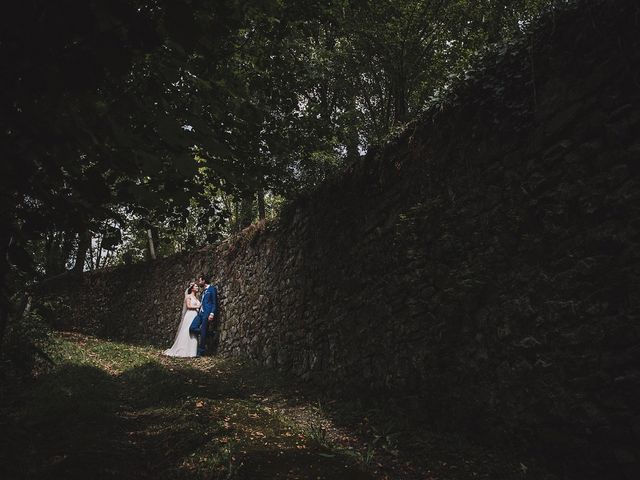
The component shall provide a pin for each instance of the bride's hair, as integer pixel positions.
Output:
(190, 289)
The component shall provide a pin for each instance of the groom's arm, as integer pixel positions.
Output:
(214, 302)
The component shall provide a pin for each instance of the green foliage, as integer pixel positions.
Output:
(23, 344)
(120, 117)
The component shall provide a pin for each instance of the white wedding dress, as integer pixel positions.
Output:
(185, 344)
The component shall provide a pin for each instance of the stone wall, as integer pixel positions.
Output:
(485, 262)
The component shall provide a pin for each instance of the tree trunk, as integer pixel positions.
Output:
(90, 256)
(99, 254)
(65, 251)
(58, 250)
(107, 256)
(262, 214)
(84, 241)
(152, 249)
(246, 212)
(400, 109)
(50, 247)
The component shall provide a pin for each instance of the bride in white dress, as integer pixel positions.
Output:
(185, 344)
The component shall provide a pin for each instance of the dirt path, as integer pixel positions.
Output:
(109, 410)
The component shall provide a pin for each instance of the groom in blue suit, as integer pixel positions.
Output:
(207, 313)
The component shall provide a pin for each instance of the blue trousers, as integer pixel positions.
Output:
(199, 327)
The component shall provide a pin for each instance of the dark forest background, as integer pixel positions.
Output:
(140, 128)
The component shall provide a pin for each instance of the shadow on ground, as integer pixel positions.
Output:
(109, 410)
(143, 416)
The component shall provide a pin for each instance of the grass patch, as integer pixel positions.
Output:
(112, 410)
(122, 411)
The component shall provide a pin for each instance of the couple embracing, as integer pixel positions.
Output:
(197, 313)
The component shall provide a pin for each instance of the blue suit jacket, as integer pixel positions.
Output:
(209, 302)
